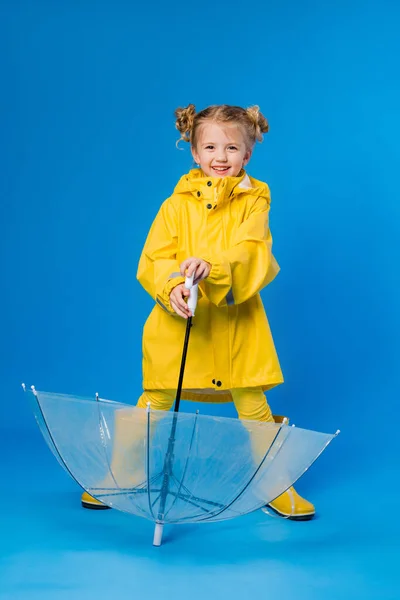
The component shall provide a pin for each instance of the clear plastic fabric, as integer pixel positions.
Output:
(173, 467)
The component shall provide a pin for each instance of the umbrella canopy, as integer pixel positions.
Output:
(173, 467)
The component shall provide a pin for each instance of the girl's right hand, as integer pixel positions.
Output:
(177, 300)
(197, 267)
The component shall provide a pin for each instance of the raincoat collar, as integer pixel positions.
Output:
(199, 185)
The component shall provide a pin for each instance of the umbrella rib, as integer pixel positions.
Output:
(209, 517)
(309, 465)
(100, 415)
(141, 487)
(184, 488)
(189, 494)
(190, 501)
(158, 497)
(204, 500)
(120, 491)
(53, 441)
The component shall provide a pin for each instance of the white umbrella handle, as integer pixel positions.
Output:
(192, 301)
(158, 531)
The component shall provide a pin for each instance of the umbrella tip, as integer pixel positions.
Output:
(337, 432)
(33, 390)
(97, 396)
(23, 387)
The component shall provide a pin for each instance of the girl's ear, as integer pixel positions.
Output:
(247, 156)
(195, 155)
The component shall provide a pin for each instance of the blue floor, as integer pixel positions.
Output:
(51, 548)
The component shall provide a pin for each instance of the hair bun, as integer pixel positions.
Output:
(184, 121)
(259, 121)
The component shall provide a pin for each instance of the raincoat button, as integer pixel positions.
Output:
(198, 194)
(209, 205)
(213, 381)
(209, 183)
(219, 383)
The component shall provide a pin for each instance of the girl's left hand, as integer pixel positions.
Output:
(198, 266)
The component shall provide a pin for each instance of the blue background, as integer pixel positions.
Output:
(88, 155)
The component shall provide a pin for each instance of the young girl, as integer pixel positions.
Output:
(215, 226)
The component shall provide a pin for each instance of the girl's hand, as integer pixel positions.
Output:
(177, 300)
(198, 266)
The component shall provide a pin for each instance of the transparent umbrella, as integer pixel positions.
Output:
(218, 468)
(173, 467)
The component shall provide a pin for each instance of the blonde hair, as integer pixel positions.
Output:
(252, 121)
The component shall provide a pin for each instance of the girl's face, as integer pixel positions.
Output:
(221, 150)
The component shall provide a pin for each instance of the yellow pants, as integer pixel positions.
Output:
(250, 403)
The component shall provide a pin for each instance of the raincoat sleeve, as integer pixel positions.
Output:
(242, 270)
(158, 269)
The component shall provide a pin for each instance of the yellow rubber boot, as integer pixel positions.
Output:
(89, 502)
(290, 504)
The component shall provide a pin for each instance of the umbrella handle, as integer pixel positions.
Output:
(158, 531)
(192, 301)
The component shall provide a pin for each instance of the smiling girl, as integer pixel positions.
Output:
(215, 226)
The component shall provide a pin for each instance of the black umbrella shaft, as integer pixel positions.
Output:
(183, 362)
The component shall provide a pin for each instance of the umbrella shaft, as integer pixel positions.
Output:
(183, 362)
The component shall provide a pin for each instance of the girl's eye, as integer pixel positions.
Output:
(209, 147)
(232, 148)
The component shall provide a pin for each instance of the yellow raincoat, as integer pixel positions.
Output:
(224, 221)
